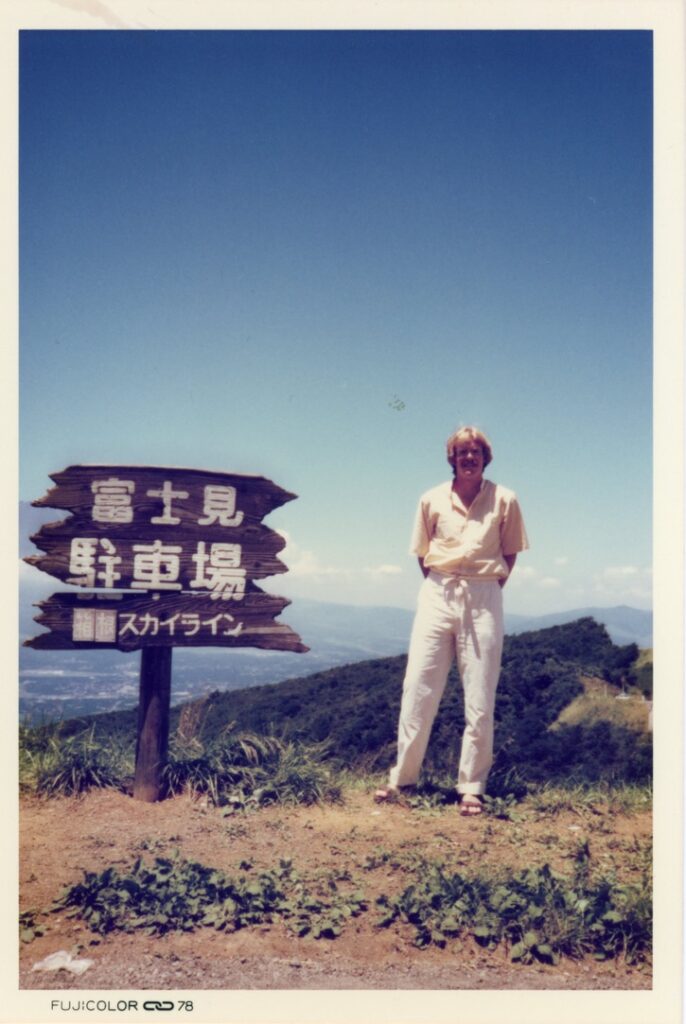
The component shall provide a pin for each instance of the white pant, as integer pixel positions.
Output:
(454, 616)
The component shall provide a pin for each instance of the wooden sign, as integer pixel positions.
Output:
(153, 530)
(185, 546)
(128, 622)
(165, 563)
(100, 497)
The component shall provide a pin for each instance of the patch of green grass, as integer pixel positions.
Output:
(245, 771)
(627, 799)
(235, 771)
(234, 761)
(53, 766)
(602, 797)
(301, 776)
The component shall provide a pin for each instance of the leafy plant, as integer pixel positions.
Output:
(29, 929)
(538, 912)
(501, 807)
(176, 894)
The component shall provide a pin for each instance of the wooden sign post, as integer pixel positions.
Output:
(168, 558)
(154, 703)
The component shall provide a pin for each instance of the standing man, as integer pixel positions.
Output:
(467, 534)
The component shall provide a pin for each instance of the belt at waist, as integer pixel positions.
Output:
(445, 580)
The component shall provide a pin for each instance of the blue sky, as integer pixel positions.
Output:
(311, 255)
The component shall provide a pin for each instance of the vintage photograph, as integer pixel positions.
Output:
(336, 489)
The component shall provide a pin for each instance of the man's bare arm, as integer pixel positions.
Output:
(510, 560)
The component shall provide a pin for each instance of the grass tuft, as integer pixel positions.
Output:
(241, 771)
(51, 766)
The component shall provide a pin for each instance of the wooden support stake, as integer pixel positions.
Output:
(153, 722)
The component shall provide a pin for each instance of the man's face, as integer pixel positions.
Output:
(469, 461)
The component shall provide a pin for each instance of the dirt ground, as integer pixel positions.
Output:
(378, 845)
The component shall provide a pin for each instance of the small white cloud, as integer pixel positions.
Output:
(301, 562)
(549, 583)
(629, 584)
(521, 576)
(305, 563)
(524, 572)
(561, 560)
(620, 572)
(385, 570)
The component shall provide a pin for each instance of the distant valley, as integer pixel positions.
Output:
(56, 684)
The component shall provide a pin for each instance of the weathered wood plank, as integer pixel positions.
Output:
(128, 622)
(158, 563)
(103, 496)
(252, 533)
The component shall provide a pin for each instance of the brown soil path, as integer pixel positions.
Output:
(378, 847)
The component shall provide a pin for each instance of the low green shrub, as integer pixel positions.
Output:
(539, 913)
(29, 928)
(174, 894)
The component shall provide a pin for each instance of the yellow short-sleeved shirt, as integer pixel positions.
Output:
(458, 541)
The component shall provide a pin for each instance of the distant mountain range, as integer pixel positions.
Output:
(625, 625)
(68, 683)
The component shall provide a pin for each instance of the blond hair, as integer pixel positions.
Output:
(468, 434)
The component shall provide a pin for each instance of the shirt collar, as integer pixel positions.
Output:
(457, 500)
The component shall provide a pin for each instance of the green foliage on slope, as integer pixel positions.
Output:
(354, 710)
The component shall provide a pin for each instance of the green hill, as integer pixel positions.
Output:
(354, 709)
